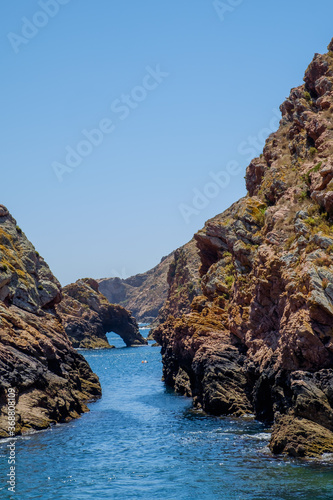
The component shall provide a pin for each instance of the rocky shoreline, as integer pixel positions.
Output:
(52, 381)
(41, 324)
(244, 310)
(259, 338)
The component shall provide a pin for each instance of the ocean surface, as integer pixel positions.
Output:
(142, 441)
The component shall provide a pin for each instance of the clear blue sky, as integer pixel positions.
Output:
(118, 211)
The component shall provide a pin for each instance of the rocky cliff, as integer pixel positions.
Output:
(183, 281)
(142, 294)
(167, 288)
(87, 316)
(51, 380)
(260, 337)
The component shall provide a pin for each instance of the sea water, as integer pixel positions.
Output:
(143, 441)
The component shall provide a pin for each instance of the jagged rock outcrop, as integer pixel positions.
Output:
(183, 280)
(87, 316)
(184, 284)
(260, 337)
(52, 381)
(167, 288)
(143, 294)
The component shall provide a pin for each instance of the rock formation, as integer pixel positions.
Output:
(183, 280)
(87, 316)
(142, 294)
(52, 382)
(260, 337)
(150, 296)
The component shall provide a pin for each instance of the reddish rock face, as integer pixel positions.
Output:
(143, 294)
(184, 282)
(147, 295)
(260, 337)
(87, 316)
(52, 382)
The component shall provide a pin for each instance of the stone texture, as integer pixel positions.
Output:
(87, 316)
(299, 437)
(184, 282)
(52, 381)
(142, 294)
(259, 337)
(147, 295)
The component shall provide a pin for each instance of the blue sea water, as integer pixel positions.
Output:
(142, 441)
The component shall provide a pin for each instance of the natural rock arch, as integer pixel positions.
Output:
(88, 316)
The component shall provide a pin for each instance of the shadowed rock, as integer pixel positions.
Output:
(87, 316)
(259, 338)
(142, 294)
(52, 382)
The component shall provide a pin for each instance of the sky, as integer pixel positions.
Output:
(126, 125)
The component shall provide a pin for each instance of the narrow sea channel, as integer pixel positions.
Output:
(142, 441)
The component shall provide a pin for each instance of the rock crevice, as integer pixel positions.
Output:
(259, 337)
(52, 382)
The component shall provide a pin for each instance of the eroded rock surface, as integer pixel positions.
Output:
(259, 339)
(150, 296)
(52, 381)
(87, 316)
(143, 294)
(183, 279)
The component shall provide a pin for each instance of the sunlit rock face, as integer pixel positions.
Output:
(259, 337)
(52, 382)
